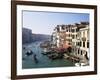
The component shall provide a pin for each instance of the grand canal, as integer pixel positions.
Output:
(43, 60)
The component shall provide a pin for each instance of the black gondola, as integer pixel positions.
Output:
(28, 53)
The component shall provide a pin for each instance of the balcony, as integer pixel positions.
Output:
(83, 38)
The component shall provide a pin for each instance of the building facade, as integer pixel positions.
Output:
(83, 42)
(26, 35)
(61, 37)
(76, 36)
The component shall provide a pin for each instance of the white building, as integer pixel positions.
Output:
(76, 36)
(82, 42)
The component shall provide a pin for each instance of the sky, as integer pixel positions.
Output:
(45, 22)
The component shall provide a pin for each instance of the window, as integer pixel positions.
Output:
(66, 29)
(73, 30)
(76, 35)
(77, 29)
(80, 44)
(81, 52)
(69, 35)
(73, 36)
(83, 44)
(62, 27)
(78, 51)
(69, 43)
(58, 29)
(87, 44)
(69, 30)
(86, 56)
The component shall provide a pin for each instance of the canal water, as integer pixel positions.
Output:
(43, 61)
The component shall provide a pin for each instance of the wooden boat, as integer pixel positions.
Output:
(29, 52)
